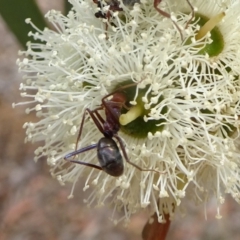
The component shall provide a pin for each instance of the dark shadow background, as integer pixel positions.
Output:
(35, 206)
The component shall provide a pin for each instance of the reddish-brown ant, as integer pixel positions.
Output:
(109, 156)
(114, 7)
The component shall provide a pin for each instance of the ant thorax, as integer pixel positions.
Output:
(112, 125)
(110, 129)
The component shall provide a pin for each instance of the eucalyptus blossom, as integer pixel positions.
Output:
(183, 119)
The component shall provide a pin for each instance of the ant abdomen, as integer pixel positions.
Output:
(109, 157)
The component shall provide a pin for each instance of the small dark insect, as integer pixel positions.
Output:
(109, 156)
(114, 6)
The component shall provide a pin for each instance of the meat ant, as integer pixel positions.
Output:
(114, 7)
(109, 156)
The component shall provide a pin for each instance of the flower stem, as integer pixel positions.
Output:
(131, 115)
(209, 25)
(154, 230)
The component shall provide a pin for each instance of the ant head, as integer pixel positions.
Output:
(119, 97)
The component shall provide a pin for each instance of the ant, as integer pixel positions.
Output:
(114, 6)
(109, 156)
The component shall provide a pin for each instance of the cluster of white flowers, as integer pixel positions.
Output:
(190, 91)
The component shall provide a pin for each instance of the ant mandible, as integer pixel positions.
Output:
(109, 156)
(114, 6)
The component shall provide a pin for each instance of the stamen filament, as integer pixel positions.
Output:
(209, 25)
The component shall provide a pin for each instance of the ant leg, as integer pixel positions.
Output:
(72, 154)
(100, 119)
(95, 119)
(82, 123)
(167, 15)
(114, 7)
(193, 13)
(127, 159)
(108, 15)
(80, 129)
